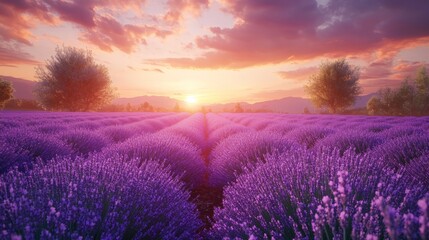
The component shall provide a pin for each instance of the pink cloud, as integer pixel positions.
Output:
(79, 11)
(18, 17)
(387, 73)
(179, 8)
(10, 56)
(109, 33)
(300, 74)
(270, 32)
(95, 19)
(407, 69)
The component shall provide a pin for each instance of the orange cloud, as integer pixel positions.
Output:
(10, 56)
(179, 8)
(109, 33)
(277, 31)
(18, 17)
(298, 74)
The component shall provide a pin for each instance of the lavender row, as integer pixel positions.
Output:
(102, 197)
(23, 145)
(323, 195)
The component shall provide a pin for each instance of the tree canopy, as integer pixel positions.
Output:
(411, 98)
(6, 92)
(335, 86)
(72, 81)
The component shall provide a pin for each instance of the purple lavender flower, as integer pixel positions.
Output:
(232, 155)
(99, 197)
(307, 194)
(403, 150)
(358, 140)
(176, 151)
(309, 136)
(84, 141)
(21, 147)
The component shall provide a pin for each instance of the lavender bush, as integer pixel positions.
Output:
(183, 157)
(95, 198)
(359, 141)
(375, 127)
(401, 131)
(419, 168)
(191, 128)
(217, 135)
(232, 155)
(219, 128)
(309, 136)
(281, 128)
(10, 157)
(22, 146)
(403, 150)
(117, 134)
(322, 195)
(52, 128)
(84, 142)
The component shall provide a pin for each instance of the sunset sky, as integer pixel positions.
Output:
(219, 50)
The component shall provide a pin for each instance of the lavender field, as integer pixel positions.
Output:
(213, 176)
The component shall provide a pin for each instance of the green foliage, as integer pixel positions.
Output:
(72, 81)
(6, 92)
(22, 104)
(373, 106)
(335, 86)
(409, 99)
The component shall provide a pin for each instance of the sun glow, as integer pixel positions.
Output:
(191, 99)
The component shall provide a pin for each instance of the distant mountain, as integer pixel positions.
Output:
(228, 106)
(284, 105)
(23, 88)
(156, 101)
(288, 104)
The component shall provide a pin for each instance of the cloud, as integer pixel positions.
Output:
(179, 8)
(17, 17)
(153, 70)
(270, 32)
(95, 18)
(407, 69)
(10, 56)
(387, 73)
(300, 74)
(109, 33)
(374, 85)
(276, 94)
(80, 12)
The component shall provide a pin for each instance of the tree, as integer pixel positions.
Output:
(238, 108)
(6, 92)
(145, 107)
(335, 86)
(422, 91)
(409, 99)
(306, 111)
(374, 106)
(72, 81)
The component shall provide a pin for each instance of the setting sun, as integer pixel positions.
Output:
(191, 99)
